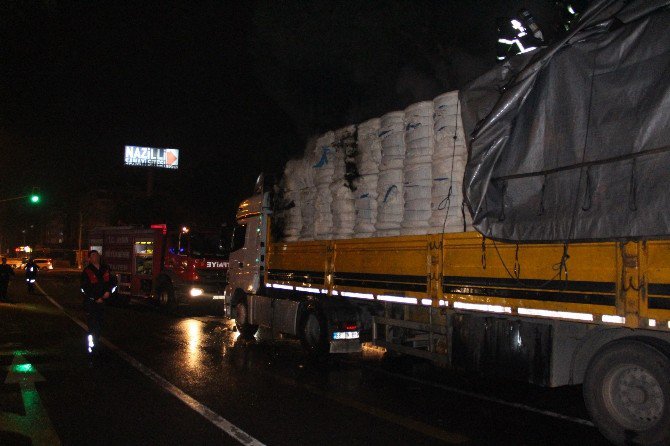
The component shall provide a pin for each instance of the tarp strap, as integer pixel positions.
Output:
(540, 212)
(517, 265)
(632, 193)
(586, 204)
(615, 159)
(465, 226)
(503, 191)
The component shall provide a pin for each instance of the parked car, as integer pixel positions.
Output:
(43, 263)
(17, 263)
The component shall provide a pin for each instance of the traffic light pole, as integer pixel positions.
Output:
(15, 198)
(34, 198)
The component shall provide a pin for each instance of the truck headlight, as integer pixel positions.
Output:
(195, 292)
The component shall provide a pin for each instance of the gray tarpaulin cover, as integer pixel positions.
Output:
(572, 142)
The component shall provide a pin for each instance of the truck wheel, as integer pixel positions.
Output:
(247, 331)
(627, 393)
(314, 334)
(166, 297)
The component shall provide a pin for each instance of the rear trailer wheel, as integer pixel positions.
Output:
(246, 330)
(314, 334)
(627, 393)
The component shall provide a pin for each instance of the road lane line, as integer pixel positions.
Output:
(408, 423)
(211, 416)
(482, 397)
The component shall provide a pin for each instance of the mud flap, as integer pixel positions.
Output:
(345, 345)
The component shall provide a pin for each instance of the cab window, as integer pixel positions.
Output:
(144, 252)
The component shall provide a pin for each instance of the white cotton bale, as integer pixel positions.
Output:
(443, 195)
(366, 204)
(417, 192)
(445, 101)
(419, 133)
(368, 168)
(363, 234)
(393, 145)
(418, 204)
(366, 184)
(387, 232)
(420, 150)
(369, 153)
(419, 114)
(340, 190)
(389, 163)
(414, 173)
(419, 136)
(393, 121)
(446, 168)
(453, 215)
(388, 177)
(416, 218)
(391, 134)
(414, 231)
(341, 206)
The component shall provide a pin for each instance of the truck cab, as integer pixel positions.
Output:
(323, 323)
(247, 249)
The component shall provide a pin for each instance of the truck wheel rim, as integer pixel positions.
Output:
(633, 396)
(312, 330)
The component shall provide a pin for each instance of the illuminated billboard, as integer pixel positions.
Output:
(152, 157)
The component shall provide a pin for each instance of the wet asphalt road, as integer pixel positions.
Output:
(186, 378)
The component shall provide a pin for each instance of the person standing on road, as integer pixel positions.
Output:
(6, 272)
(96, 284)
(31, 275)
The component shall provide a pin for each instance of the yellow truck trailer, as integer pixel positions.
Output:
(550, 314)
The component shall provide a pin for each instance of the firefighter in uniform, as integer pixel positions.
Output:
(31, 275)
(96, 284)
(6, 272)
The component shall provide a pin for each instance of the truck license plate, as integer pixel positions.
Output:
(345, 335)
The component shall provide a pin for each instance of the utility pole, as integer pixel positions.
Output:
(81, 224)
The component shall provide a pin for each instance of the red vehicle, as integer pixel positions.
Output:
(170, 267)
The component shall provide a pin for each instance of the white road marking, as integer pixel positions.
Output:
(490, 399)
(211, 416)
(35, 424)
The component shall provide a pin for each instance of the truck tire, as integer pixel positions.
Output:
(247, 331)
(314, 333)
(166, 296)
(627, 393)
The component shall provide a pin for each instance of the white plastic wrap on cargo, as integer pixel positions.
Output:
(342, 207)
(417, 173)
(410, 168)
(390, 198)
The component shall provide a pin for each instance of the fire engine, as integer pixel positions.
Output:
(169, 267)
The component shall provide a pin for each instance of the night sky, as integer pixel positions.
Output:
(238, 87)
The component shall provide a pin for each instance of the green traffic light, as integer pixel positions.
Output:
(34, 198)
